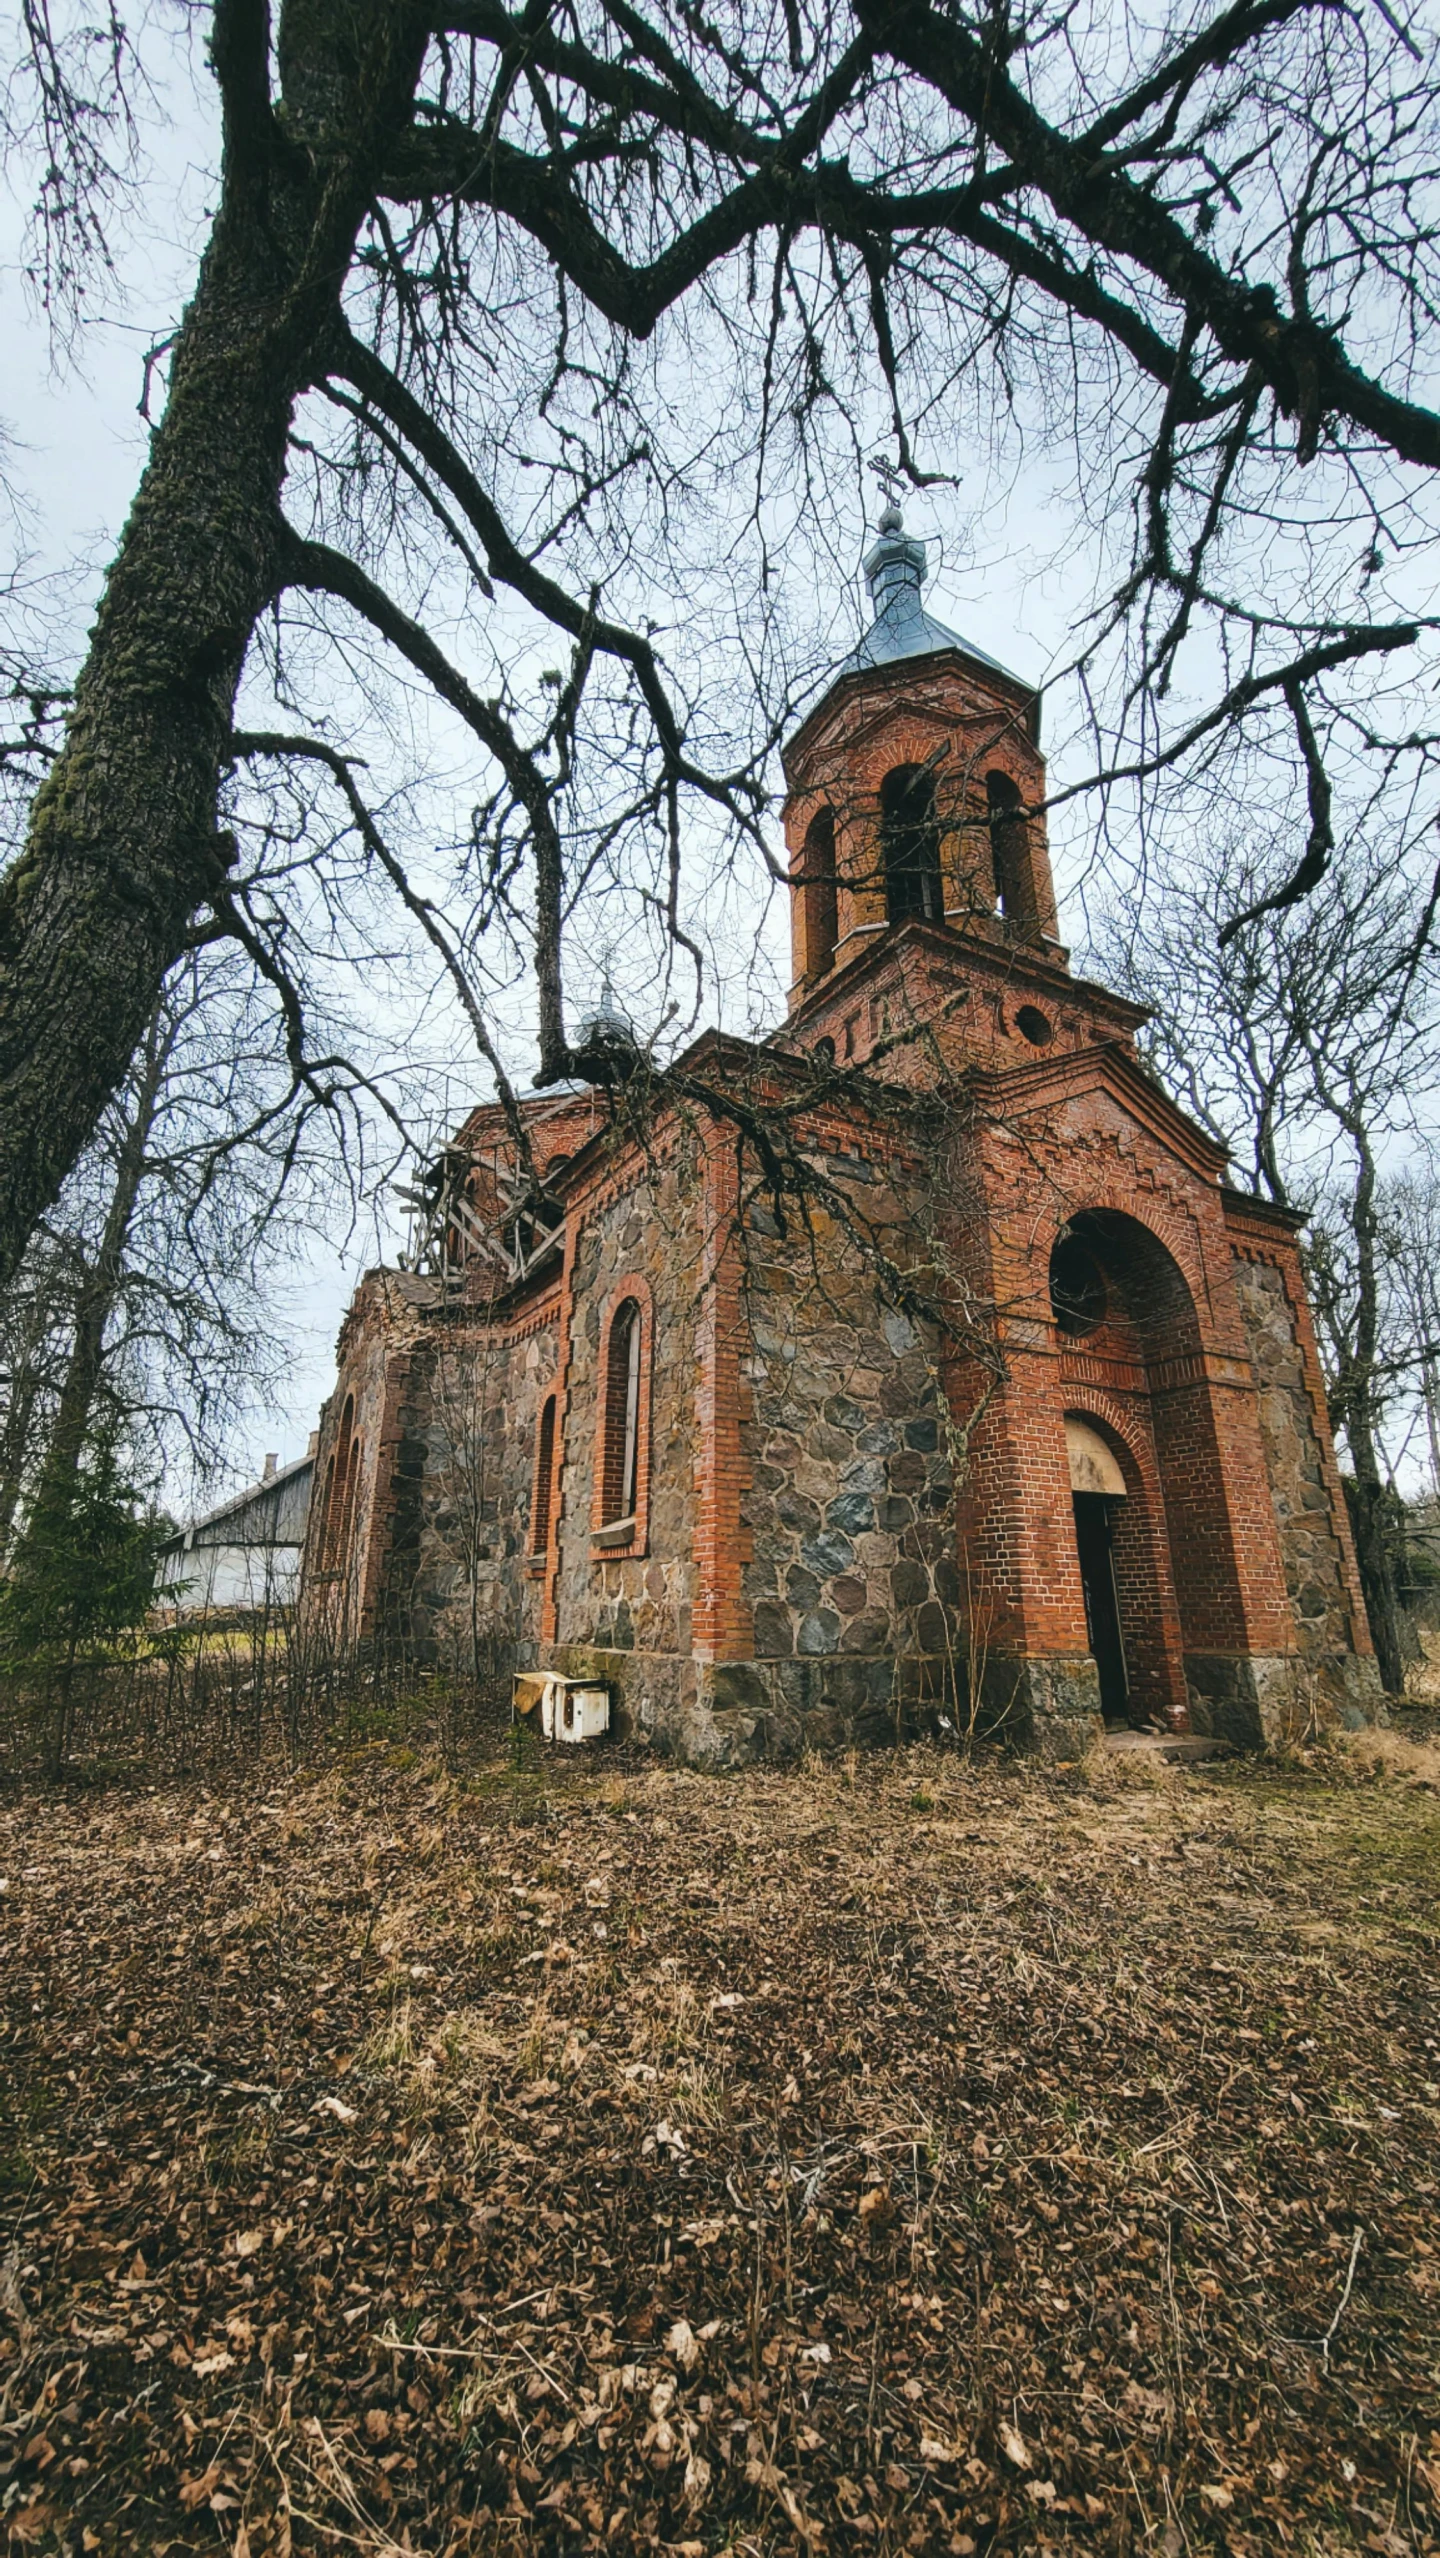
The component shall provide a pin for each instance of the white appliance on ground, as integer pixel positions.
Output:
(569, 1709)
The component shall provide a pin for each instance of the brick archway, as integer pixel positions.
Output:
(1145, 1582)
(1137, 1363)
(1174, 1235)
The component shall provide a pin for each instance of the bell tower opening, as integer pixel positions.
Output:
(819, 899)
(910, 846)
(1009, 850)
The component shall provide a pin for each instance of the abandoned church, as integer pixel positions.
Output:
(915, 1362)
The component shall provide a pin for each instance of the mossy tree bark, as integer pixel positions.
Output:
(122, 849)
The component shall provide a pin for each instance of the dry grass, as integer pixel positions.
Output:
(903, 2154)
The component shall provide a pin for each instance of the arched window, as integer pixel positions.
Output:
(325, 1517)
(338, 1497)
(1009, 848)
(817, 874)
(620, 1438)
(544, 1479)
(1079, 1297)
(347, 1523)
(910, 845)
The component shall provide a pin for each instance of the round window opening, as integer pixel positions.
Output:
(824, 1052)
(1078, 1295)
(1032, 1025)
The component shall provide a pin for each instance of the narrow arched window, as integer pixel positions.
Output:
(325, 1525)
(620, 1452)
(347, 1522)
(910, 845)
(1009, 847)
(820, 910)
(544, 1479)
(337, 1489)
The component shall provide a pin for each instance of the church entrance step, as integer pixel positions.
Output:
(1175, 1747)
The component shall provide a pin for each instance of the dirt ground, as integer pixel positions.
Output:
(901, 2154)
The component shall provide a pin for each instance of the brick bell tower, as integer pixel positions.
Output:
(915, 791)
(1149, 1525)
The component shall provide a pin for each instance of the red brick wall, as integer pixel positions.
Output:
(1169, 1372)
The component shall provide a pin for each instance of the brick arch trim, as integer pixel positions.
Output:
(339, 1486)
(544, 1493)
(1176, 1235)
(633, 1289)
(1137, 1463)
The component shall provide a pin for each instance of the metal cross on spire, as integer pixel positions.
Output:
(890, 477)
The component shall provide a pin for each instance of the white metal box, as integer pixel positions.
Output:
(570, 1709)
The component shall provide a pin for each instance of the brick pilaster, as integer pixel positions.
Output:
(722, 1625)
(549, 1588)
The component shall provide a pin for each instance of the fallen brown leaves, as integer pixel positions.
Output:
(911, 2155)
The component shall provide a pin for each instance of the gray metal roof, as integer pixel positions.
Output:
(895, 571)
(270, 1512)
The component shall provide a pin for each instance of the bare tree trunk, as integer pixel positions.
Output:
(1358, 1400)
(15, 1447)
(30, 1365)
(1430, 1395)
(122, 847)
(1369, 1505)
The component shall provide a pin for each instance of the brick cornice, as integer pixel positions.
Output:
(889, 684)
(1273, 1228)
(1020, 967)
(1015, 1090)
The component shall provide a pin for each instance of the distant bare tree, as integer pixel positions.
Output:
(143, 1312)
(1409, 1213)
(1309, 1044)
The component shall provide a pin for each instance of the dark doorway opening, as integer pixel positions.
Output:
(1095, 1540)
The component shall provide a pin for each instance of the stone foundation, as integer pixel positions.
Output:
(1048, 1704)
(725, 1714)
(730, 1714)
(1257, 1700)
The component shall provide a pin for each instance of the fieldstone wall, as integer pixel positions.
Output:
(850, 1504)
(1314, 1569)
(457, 1586)
(846, 1515)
